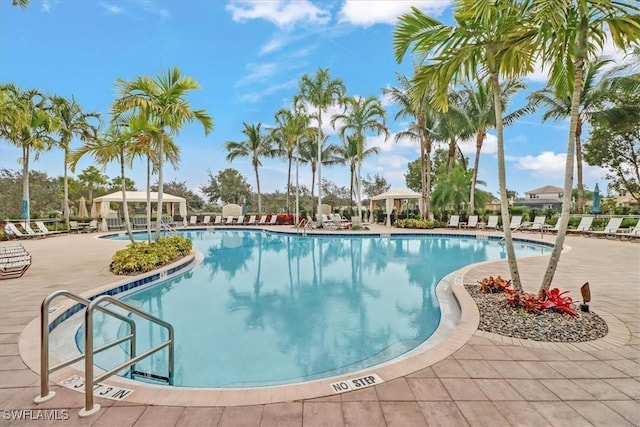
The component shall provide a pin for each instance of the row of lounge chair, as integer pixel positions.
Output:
(14, 261)
(13, 232)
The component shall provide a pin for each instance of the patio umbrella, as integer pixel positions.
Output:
(596, 201)
(25, 207)
(82, 208)
(244, 206)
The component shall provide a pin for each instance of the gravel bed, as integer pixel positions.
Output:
(498, 317)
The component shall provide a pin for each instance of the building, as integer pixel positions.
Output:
(547, 197)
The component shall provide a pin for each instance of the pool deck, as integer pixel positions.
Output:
(474, 378)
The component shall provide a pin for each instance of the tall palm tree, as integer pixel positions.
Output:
(490, 38)
(351, 153)
(73, 122)
(21, 3)
(557, 106)
(308, 154)
(255, 147)
(291, 126)
(452, 190)
(361, 116)
(570, 33)
(163, 101)
(112, 146)
(320, 91)
(475, 102)
(28, 124)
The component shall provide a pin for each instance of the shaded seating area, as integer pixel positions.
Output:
(14, 261)
(114, 224)
(138, 222)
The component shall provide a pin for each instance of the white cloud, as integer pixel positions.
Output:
(370, 12)
(111, 8)
(282, 13)
(257, 96)
(547, 164)
(257, 73)
(46, 6)
(273, 45)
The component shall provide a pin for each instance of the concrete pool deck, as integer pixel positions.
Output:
(487, 380)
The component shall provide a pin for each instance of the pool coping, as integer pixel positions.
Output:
(398, 367)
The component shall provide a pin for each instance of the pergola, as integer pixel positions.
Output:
(394, 198)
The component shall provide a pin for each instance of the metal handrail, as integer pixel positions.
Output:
(45, 370)
(90, 407)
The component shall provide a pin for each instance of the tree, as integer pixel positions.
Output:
(362, 115)
(328, 156)
(451, 192)
(180, 189)
(21, 3)
(162, 101)
(320, 91)
(614, 143)
(351, 153)
(558, 107)
(255, 147)
(374, 185)
(291, 126)
(26, 123)
(72, 122)
(92, 178)
(228, 186)
(569, 34)
(116, 185)
(490, 39)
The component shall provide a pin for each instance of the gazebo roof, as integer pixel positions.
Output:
(397, 194)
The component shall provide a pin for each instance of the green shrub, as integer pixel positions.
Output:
(141, 257)
(415, 223)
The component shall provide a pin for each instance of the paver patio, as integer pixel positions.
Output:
(489, 381)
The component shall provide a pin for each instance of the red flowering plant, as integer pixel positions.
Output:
(492, 285)
(553, 299)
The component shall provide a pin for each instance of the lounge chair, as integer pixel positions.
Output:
(139, 222)
(516, 222)
(218, 220)
(229, 220)
(29, 231)
(93, 226)
(454, 221)
(74, 227)
(193, 220)
(206, 220)
(629, 233)
(310, 223)
(114, 223)
(583, 227)
(492, 222)
(610, 229)
(240, 220)
(11, 230)
(263, 220)
(273, 220)
(14, 265)
(252, 220)
(12, 249)
(536, 225)
(43, 229)
(472, 222)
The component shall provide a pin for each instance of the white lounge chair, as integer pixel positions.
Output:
(14, 264)
(11, 230)
(240, 220)
(516, 222)
(610, 229)
(538, 223)
(27, 228)
(629, 233)
(273, 220)
(229, 220)
(492, 222)
(252, 220)
(472, 222)
(454, 221)
(218, 220)
(206, 220)
(193, 220)
(263, 220)
(583, 227)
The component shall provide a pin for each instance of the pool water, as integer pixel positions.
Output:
(269, 308)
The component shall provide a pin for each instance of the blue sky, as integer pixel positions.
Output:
(248, 57)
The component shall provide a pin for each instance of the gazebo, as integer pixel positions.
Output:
(102, 205)
(393, 199)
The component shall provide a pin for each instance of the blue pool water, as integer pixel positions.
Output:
(268, 308)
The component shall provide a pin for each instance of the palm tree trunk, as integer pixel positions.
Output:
(358, 190)
(427, 206)
(476, 165)
(313, 180)
(351, 168)
(319, 160)
(452, 154)
(502, 178)
(25, 184)
(160, 186)
(580, 201)
(148, 199)
(581, 54)
(65, 205)
(255, 168)
(125, 207)
(423, 173)
(289, 182)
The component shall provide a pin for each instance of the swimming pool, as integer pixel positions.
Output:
(270, 308)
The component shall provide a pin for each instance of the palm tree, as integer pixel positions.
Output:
(476, 105)
(291, 126)
(452, 190)
(569, 34)
(163, 101)
(28, 124)
(308, 154)
(21, 3)
(362, 115)
(558, 106)
(255, 147)
(351, 153)
(111, 146)
(92, 178)
(320, 91)
(73, 122)
(490, 38)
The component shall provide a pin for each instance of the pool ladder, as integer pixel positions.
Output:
(90, 407)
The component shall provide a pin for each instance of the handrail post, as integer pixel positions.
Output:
(90, 407)
(45, 394)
